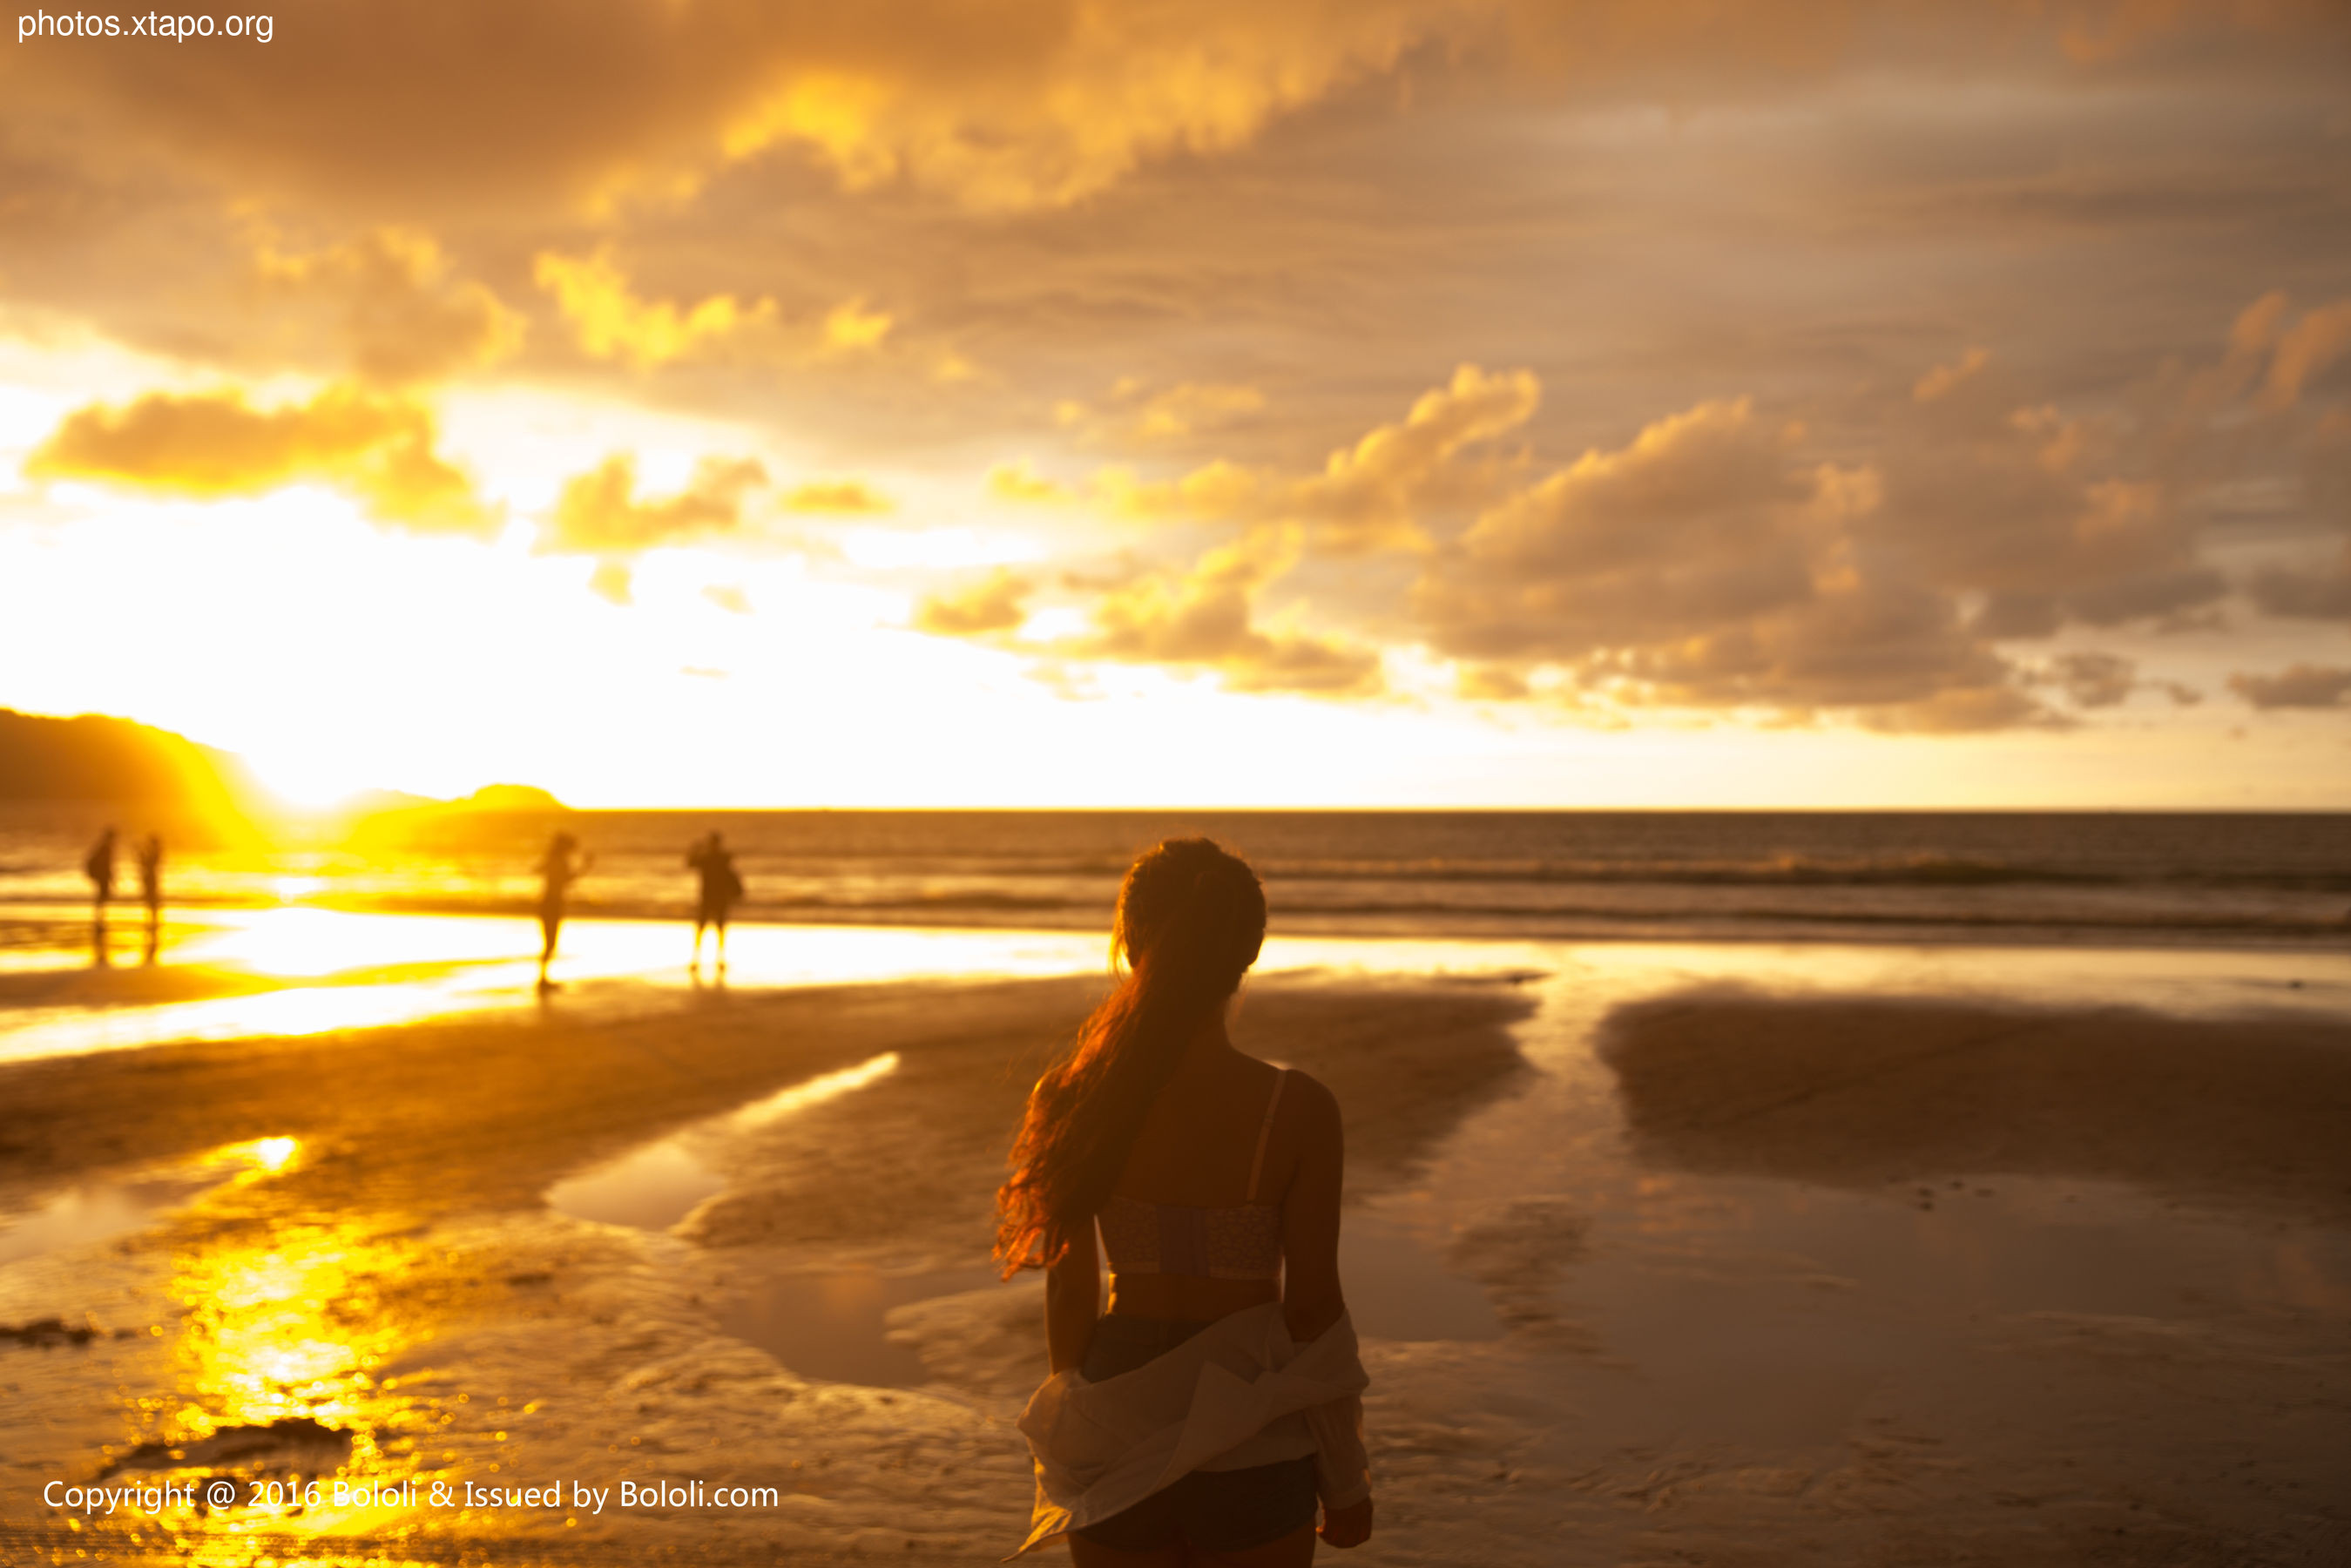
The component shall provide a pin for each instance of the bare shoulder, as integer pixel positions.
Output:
(1314, 1107)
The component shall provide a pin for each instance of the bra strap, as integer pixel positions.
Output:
(1257, 1165)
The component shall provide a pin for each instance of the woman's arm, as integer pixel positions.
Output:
(1312, 1301)
(1072, 1301)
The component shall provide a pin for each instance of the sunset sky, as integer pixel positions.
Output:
(1236, 402)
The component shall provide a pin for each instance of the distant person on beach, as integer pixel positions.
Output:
(1215, 1181)
(151, 890)
(722, 889)
(98, 866)
(557, 871)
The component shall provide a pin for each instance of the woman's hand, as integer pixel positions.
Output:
(1348, 1526)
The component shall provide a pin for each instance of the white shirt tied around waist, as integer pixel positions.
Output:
(1239, 1393)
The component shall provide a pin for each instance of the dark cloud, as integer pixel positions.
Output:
(429, 104)
(2321, 592)
(2093, 680)
(2299, 686)
(399, 311)
(1703, 519)
(1707, 563)
(1896, 658)
(2305, 352)
(1988, 492)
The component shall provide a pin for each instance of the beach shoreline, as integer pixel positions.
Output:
(1631, 1272)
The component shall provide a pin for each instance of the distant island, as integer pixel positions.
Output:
(97, 760)
(510, 797)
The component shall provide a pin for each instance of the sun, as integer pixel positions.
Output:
(306, 778)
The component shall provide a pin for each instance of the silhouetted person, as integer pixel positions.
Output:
(556, 872)
(722, 886)
(99, 868)
(151, 890)
(1208, 1181)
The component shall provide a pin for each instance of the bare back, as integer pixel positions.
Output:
(1203, 1140)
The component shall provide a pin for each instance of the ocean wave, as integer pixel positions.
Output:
(1790, 870)
(1801, 871)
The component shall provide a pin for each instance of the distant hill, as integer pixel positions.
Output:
(510, 797)
(114, 761)
(97, 761)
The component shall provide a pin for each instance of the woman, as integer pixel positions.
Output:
(1197, 1420)
(556, 872)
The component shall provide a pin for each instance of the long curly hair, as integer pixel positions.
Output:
(1191, 919)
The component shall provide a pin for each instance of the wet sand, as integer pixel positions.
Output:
(125, 984)
(437, 1316)
(1669, 1255)
(459, 1115)
(2246, 1113)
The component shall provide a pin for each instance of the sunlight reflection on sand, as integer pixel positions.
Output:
(654, 1186)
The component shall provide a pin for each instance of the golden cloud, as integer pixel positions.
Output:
(1058, 103)
(377, 450)
(850, 327)
(1133, 411)
(612, 582)
(613, 323)
(1371, 495)
(1490, 684)
(600, 513)
(852, 496)
(995, 604)
(1712, 562)
(1205, 619)
(610, 320)
(1200, 620)
(1021, 484)
(1208, 626)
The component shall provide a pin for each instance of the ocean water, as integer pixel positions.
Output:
(1901, 876)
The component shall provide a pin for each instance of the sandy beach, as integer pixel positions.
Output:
(1661, 1254)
